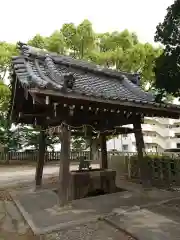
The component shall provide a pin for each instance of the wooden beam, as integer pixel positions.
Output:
(64, 175)
(149, 109)
(104, 161)
(98, 124)
(159, 109)
(41, 158)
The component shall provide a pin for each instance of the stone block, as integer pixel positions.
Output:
(84, 182)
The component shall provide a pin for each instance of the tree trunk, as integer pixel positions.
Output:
(64, 175)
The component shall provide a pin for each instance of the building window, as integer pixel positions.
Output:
(178, 145)
(176, 126)
(125, 147)
(124, 135)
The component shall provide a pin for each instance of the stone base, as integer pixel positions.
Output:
(88, 181)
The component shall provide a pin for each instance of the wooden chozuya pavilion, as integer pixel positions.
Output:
(51, 90)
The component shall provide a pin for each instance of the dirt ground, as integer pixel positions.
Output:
(9, 236)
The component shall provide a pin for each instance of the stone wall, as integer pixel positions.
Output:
(120, 164)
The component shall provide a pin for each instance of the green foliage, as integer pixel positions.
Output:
(167, 69)
(79, 40)
(8, 139)
(120, 50)
(30, 138)
(56, 43)
(6, 52)
(9, 136)
(78, 143)
(85, 37)
(38, 41)
(4, 97)
(70, 37)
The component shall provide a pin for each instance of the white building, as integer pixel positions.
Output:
(159, 134)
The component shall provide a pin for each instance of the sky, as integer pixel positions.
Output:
(22, 19)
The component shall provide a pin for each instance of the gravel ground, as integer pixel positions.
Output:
(92, 231)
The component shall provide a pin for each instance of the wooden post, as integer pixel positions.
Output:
(41, 158)
(64, 175)
(104, 161)
(90, 148)
(142, 164)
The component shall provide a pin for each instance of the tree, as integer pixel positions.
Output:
(29, 137)
(80, 40)
(78, 143)
(7, 50)
(4, 97)
(120, 50)
(85, 37)
(111, 41)
(38, 41)
(123, 51)
(167, 68)
(56, 43)
(9, 136)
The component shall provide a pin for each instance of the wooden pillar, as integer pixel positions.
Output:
(64, 175)
(142, 164)
(90, 148)
(104, 161)
(41, 158)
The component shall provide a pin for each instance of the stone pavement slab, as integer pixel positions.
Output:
(146, 225)
(92, 231)
(11, 219)
(105, 204)
(41, 210)
(166, 211)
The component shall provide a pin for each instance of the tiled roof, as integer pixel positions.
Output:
(36, 68)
